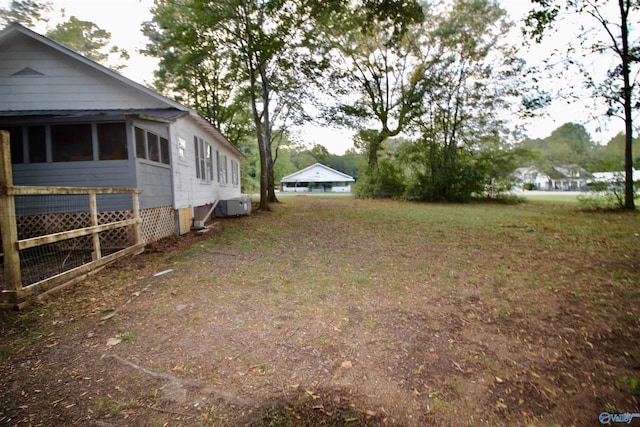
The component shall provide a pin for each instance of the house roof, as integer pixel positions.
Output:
(318, 173)
(173, 109)
(170, 114)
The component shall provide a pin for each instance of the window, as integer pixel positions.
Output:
(204, 159)
(152, 147)
(112, 141)
(71, 143)
(164, 151)
(201, 161)
(222, 168)
(141, 144)
(235, 173)
(196, 150)
(209, 161)
(182, 148)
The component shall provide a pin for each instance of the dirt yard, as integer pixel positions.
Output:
(344, 312)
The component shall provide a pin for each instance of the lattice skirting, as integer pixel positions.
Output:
(43, 224)
(158, 223)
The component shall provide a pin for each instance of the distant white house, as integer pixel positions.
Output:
(557, 178)
(317, 178)
(614, 177)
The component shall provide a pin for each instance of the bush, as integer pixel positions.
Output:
(385, 182)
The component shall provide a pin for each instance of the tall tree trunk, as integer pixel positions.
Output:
(264, 200)
(628, 117)
(268, 136)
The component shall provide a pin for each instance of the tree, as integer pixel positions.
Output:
(88, 39)
(25, 12)
(195, 70)
(377, 70)
(472, 76)
(264, 46)
(613, 27)
(610, 158)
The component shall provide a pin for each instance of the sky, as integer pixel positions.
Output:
(123, 19)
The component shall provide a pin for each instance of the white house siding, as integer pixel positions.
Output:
(60, 83)
(335, 188)
(189, 190)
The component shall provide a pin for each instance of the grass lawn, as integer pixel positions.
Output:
(341, 311)
(551, 197)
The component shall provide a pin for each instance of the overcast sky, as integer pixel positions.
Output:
(123, 18)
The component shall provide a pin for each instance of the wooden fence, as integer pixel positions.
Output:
(14, 292)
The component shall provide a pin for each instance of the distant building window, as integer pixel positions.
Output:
(112, 141)
(71, 143)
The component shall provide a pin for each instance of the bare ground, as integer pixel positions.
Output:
(344, 312)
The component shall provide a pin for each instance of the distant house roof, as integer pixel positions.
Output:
(318, 173)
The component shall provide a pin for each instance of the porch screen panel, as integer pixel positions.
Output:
(71, 143)
(37, 143)
(141, 143)
(112, 141)
(153, 146)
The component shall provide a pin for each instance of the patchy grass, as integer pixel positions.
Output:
(553, 197)
(339, 311)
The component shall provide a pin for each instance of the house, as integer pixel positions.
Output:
(74, 122)
(614, 177)
(555, 178)
(317, 178)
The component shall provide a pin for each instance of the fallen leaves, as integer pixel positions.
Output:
(113, 341)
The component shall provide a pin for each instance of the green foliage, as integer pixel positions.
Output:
(570, 143)
(387, 181)
(88, 39)
(25, 12)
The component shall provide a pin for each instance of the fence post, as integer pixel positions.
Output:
(93, 212)
(135, 201)
(8, 226)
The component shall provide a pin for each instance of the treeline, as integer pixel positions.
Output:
(484, 173)
(572, 144)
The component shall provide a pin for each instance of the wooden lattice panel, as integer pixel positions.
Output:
(157, 223)
(113, 216)
(43, 224)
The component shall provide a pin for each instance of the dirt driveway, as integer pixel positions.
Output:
(344, 312)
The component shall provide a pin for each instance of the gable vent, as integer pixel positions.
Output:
(27, 71)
